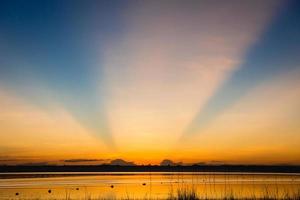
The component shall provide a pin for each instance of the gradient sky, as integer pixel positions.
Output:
(191, 81)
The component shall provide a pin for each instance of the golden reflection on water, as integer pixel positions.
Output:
(148, 185)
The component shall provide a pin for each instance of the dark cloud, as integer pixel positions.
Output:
(167, 162)
(8, 160)
(200, 163)
(85, 160)
(35, 164)
(121, 162)
(217, 162)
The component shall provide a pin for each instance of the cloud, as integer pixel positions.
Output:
(29, 130)
(167, 162)
(121, 162)
(267, 58)
(35, 164)
(85, 160)
(170, 60)
(261, 127)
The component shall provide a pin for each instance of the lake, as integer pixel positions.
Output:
(142, 185)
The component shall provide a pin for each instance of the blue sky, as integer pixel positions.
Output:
(276, 51)
(133, 74)
(49, 44)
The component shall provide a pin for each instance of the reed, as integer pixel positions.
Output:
(190, 193)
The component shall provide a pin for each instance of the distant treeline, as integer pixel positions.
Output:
(152, 168)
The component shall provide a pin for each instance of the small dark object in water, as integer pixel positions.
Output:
(112, 186)
(17, 193)
(77, 188)
(144, 184)
(49, 191)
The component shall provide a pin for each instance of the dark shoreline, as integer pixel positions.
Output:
(153, 168)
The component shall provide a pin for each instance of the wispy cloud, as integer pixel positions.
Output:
(171, 59)
(31, 130)
(263, 60)
(261, 127)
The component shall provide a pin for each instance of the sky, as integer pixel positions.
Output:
(191, 81)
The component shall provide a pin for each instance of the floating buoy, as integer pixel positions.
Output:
(144, 184)
(77, 188)
(112, 186)
(49, 191)
(17, 193)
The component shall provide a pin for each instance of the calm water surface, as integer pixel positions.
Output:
(155, 185)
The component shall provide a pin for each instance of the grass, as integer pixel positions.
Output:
(190, 193)
(184, 193)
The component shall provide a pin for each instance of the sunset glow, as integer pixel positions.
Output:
(143, 81)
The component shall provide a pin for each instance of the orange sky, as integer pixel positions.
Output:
(190, 82)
